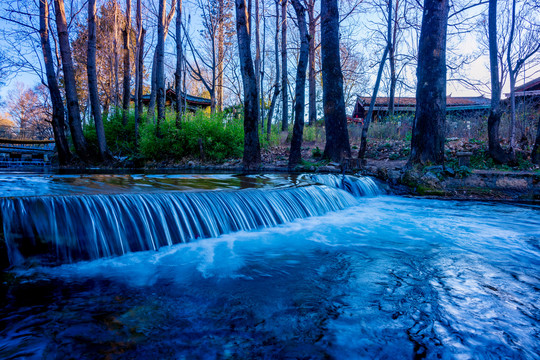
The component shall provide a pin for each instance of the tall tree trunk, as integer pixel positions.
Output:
(300, 92)
(261, 81)
(393, 82)
(512, 74)
(93, 82)
(62, 146)
(365, 128)
(74, 115)
(127, 68)
(221, 54)
(138, 69)
(312, 81)
(160, 67)
(284, 93)
(498, 154)
(141, 73)
(257, 61)
(116, 59)
(392, 63)
(428, 135)
(153, 88)
(535, 154)
(179, 56)
(252, 149)
(337, 137)
(276, 83)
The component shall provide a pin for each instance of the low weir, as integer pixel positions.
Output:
(64, 229)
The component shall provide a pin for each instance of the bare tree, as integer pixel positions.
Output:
(284, 82)
(127, 68)
(300, 93)
(312, 24)
(365, 128)
(392, 52)
(160, 67)
(74, 116)
(337, 137)
(257, 62)
(275, 94)
(64, 154)
(221, 54)
(210, 59)
(427, 145)
(252, 149)
(495, 150)
(92, 81)
(139, 55)
(179, 63)
(528, 36)
(154, 75)
(116, 60)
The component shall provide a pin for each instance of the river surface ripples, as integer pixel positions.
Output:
(389, 278)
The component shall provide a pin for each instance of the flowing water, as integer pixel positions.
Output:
(263, 267)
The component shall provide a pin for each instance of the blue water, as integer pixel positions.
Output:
(386, 278)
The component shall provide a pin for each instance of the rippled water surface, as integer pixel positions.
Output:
(389, 278)
(28, 184)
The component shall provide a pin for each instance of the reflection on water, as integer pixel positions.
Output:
(390, 278)
(22, 184)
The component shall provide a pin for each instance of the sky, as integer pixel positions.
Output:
(478, 70)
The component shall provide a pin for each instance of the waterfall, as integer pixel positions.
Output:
(356, 185)
(62, 229)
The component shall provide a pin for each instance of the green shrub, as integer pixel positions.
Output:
(313, 133)
(274, 136)
(120, 138)
(221, 138)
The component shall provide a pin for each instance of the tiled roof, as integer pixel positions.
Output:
(411, 101)
(529, 86)
(190, 99)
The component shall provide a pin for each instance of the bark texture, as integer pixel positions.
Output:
(139, 46)
(427, 145)
(221, 54)
(337, 137)
(127, 68)
(179, 56)
(312, 20)
(284, 92)
(58, 114)
(392, 60)
(74, 116)
(252, 149)
(275, 95)
(160, 67)
(496, 151)
(93, 82)
(300, 92)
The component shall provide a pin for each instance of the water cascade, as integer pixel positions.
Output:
(69, 228)
(374, 277)
(356, 185)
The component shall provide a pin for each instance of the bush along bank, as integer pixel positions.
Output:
(201, 136)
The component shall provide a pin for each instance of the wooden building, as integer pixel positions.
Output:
(528, 93)
(193, 103)
(407, 105)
